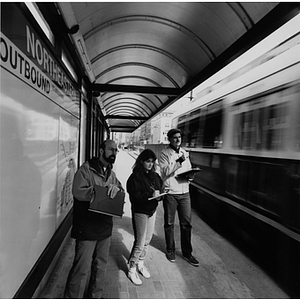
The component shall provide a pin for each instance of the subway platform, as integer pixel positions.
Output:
(223, 272)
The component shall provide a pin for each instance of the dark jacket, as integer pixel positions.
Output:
(139, 189)
(90, 225)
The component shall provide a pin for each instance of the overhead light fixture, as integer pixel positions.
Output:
(80, 46)
(88, 67)
(71, 22)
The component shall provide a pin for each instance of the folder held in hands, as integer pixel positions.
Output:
(109, 206)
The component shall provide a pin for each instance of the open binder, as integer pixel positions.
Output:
(105, 205)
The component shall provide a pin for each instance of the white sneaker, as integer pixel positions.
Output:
(134, 277)
(143, 270)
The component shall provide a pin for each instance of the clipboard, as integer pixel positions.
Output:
(187, 172)
(104, 205)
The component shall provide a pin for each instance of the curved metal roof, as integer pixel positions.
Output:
(142, 56)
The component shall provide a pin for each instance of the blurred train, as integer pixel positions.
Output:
(49, 126)
(244, 133)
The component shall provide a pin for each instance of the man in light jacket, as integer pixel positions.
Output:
(174, 160)
(92, 230)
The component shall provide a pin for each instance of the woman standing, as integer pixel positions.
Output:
(142, 184)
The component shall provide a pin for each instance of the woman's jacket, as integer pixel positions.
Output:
(89, 225)
(140, 186)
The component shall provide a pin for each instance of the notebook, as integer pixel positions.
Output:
(187, 172)
(105, 205)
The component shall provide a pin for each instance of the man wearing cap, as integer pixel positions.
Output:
(174, 160)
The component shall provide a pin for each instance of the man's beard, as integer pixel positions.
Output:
(110, 159)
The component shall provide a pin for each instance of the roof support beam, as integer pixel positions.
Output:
(98, 87)
(117, 128)
(126, 117)
(120, 126)
(122, 130)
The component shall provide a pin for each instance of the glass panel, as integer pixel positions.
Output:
(213, 126)
(41, 21)
(275, 127)
(194, 130)
(68, 65)
(261, 128)
(237, 132)
(182, 127)
(297, 125)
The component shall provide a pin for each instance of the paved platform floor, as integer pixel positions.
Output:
(223, 272)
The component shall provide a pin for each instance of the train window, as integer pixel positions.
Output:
(274, 127)
(182, 126)
(247, 129)
(194, 129)
(184, 134)
(297, 138)
(237, 139)
(212, 136)
(262, 128)
(250, 133)
(296, 121)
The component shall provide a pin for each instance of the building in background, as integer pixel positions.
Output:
(153, 131)
(160, 125)
(123, 139)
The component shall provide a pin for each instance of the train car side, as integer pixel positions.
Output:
(245, 137)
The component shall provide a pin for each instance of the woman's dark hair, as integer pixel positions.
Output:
(145, 155)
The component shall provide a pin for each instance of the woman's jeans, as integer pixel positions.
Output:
(182, 204)
(90, 257)
(143, 228)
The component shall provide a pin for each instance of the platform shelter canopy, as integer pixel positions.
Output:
(143, 56)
